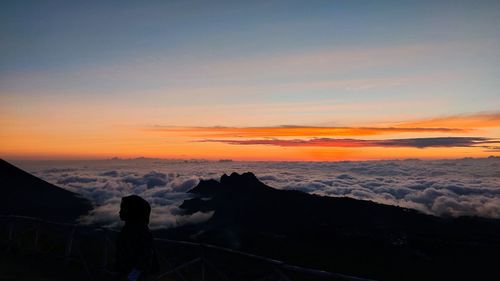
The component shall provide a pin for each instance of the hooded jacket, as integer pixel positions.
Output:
(135, 244)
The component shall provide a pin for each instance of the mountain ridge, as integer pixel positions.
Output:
(340, 234)
(27, 195)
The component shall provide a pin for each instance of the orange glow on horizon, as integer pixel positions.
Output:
(215, 151)
(297, 131)
(82, 141)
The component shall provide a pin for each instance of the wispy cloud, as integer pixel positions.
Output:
(149, 71)
(476, 120)
(297, 131)
(410, 142)
(457, 124)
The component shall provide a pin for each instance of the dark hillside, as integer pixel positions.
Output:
(355, 237)
(26, 195)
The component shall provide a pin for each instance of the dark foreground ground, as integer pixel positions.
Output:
(342, 235)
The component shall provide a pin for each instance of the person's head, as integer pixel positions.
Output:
(135, 209)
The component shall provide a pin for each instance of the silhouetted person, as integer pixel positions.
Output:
(135, 254)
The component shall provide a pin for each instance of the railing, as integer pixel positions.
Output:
(87, 253)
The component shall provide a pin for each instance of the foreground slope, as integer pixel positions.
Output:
(24, 194)
(344, 235)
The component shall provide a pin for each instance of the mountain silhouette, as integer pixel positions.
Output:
(26, 195)
(356, 237)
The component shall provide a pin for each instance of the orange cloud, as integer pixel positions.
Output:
(295, 131)
(479, 120)
(487, 143)
(448, 125)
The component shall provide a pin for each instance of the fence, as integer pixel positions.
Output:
(49, 250)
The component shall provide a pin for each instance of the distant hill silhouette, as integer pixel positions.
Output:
(24, 194)
(356, 237)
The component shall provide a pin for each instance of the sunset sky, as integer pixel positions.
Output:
(249, 80)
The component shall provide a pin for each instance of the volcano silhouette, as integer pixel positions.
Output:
(26, 195)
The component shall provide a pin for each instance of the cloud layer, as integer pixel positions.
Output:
(454, 124)
(297, 131)
(409, 142)
(439, 187)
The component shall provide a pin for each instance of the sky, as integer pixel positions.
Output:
(249, 80)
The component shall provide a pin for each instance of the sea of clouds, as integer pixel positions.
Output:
(439, 187)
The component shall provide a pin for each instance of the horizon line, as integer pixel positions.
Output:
(242, 160)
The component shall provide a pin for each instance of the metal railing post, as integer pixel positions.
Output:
(11, 229)
(69, 246)
(105, 261)
(202, 262)
(11, 236)
(35, 249)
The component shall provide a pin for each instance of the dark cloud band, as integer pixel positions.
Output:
(331, 142)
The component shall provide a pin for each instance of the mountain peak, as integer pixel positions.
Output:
(247, 177)
(241, 183)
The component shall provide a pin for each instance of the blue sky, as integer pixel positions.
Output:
(264, 63)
